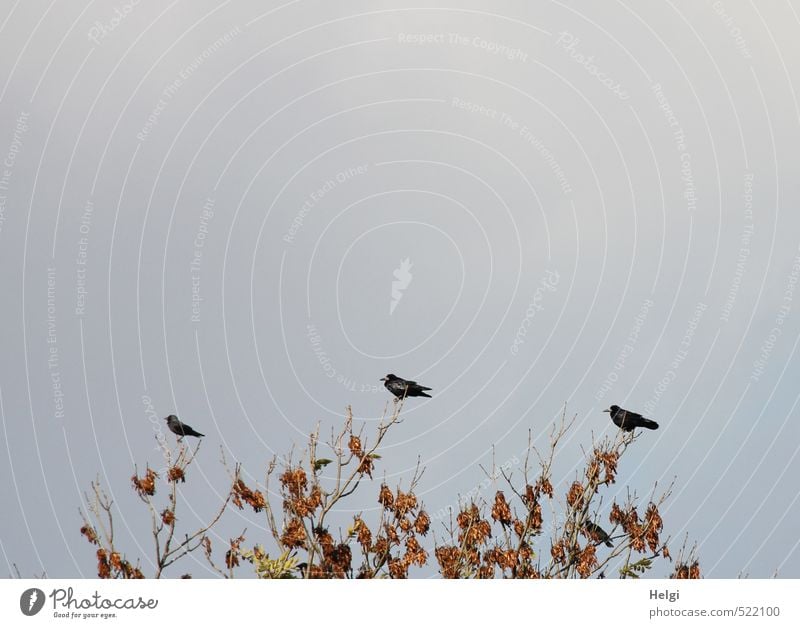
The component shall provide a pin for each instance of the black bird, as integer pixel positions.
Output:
(628, 420)
(596, 533)
(181, 429)
(402, 388)
(301, 568)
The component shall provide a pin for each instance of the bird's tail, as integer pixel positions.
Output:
(650, 425)
(423, 394)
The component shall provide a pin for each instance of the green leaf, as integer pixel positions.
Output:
(321, 462)
(633, 570)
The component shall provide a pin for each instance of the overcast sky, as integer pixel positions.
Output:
(246, 213)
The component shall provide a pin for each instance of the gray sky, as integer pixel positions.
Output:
(204, 206)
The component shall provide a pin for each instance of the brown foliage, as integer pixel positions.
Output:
(167, 516)
(386, 497)
(294, 535)
(422, 523)
(176, 474)
(90, 533)
(509, 537)
(145, 485)
(501, 511)
(241, 494)
(575, 496)
(685, 571)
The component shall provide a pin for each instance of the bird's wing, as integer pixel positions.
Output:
(629, 414)
(411, 382)
(396, 388)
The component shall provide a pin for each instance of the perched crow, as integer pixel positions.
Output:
(181, 429)
(301, 568)
(401, 388)
(628, 420)
(596, 533)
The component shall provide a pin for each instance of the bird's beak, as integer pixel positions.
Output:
(607, 410)
(382, 379)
